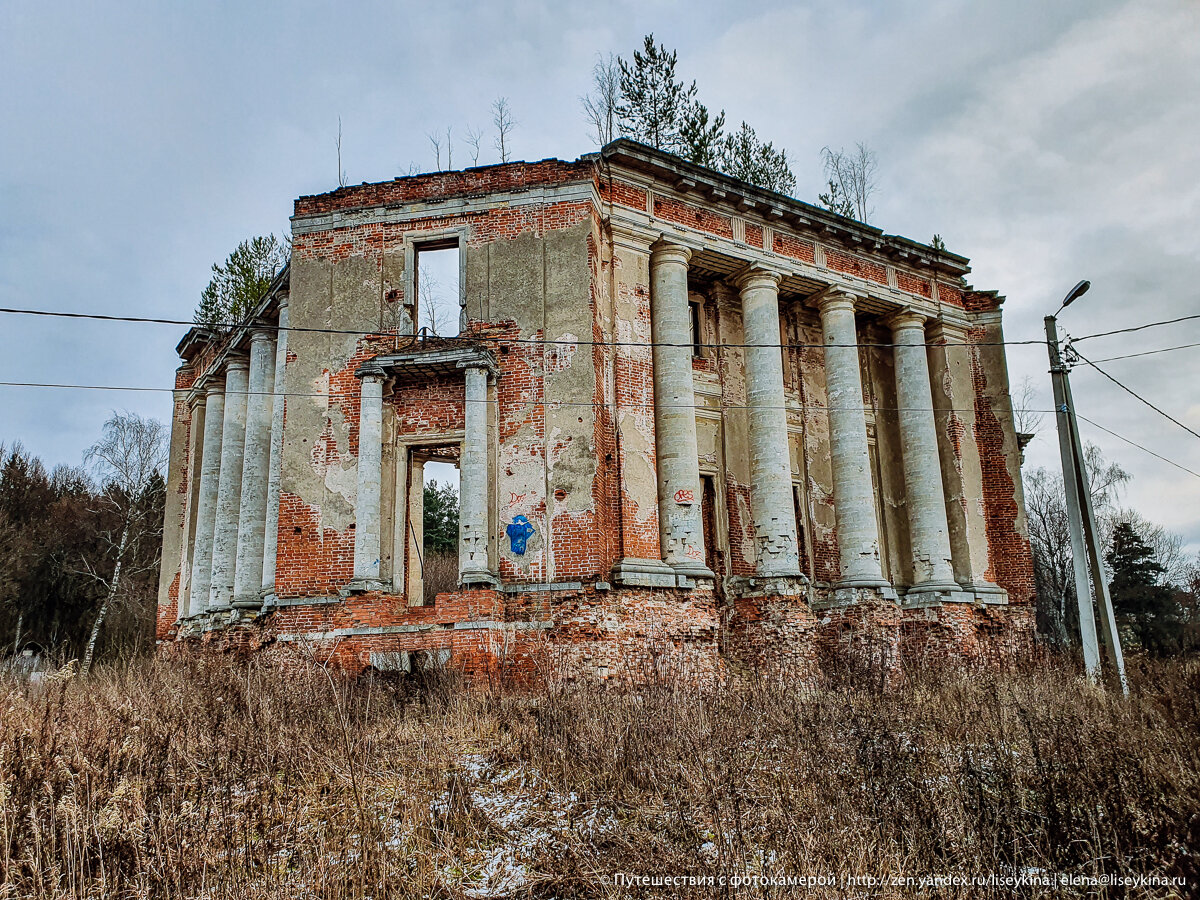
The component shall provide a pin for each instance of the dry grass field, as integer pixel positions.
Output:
(211, 778)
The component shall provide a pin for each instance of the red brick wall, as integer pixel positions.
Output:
(913, 284)
(794, 247)
(1009, 555)
(614, 191)
(855, 265)
(481, 181)
(693, 216)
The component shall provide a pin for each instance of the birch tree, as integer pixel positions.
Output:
(127, 463)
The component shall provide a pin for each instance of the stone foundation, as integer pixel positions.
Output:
(625, 635)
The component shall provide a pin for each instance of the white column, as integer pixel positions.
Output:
(473, 490)
(414, 534)
(229, 489)
(929, 534)
(771, 504)
(192, 502)
(206, 502)
(853, 487)
(367, 511)
(256, 458)
(275, 466)
(680, 525)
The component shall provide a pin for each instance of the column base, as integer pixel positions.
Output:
(688, 572)
(987, 592)
(633, 572)
(478, 578)
(856, 590)
(796, 585)
(248, 601)
(362, 586)
(931, 593)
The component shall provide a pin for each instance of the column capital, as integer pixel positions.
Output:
(949, 332)
(835, 297)
(757, 276)
(237, 361)
(665, 250)
(906, 318)
(261, 334)
(214, 383)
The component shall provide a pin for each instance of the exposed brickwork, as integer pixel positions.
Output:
(785, 244)
(482, 181)
(693, 216)
(949, 294)
(313, 560)
(1009, 553)
(613, 190)
(856, 265)
(914, 285)
(754, 235)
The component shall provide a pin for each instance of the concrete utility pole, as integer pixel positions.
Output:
(1085, 542)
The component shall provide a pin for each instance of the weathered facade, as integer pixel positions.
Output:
(697, 424)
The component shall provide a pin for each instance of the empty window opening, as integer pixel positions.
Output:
(713, 557)
(432, 526)
(439, 305)
(801, 538)
(695, 331)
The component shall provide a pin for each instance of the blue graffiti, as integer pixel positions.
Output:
(518, 533)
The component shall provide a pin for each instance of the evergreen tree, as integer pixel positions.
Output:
(744, 156)
(837, 202)
(238, 284)
(1147, 606)
(653, 101)
(700, 136)
(441, 518)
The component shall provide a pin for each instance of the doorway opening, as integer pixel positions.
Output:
(431, 532)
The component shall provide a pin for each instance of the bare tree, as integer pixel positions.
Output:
(341, 171)
(1027, 418)
(433, 313)
(504, 122)
(1050, 537)
(600, 106)
(852, 176)
(435, 141)
(474, 136)
(449, 149)
(127, 462)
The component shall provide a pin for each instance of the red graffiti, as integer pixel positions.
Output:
(682, 496)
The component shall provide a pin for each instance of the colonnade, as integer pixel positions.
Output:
(236, 517)
(772, 510)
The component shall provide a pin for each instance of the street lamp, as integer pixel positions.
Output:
(1076, 292)
(1085, 545)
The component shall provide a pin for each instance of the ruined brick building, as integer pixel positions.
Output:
(695, 422)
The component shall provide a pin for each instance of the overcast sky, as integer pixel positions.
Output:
(1048, 142)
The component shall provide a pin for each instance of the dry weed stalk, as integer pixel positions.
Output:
(209, 778)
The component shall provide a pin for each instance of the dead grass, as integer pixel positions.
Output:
(206, 778)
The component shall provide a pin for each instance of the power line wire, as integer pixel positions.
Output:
(467, 338)
(1137, 396)
(551, 404)
(1146, 352)
(1132, 328)
(1136, 444)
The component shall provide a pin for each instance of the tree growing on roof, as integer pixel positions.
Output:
(239, 283)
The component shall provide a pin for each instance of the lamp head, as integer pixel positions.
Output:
(1076, 292)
